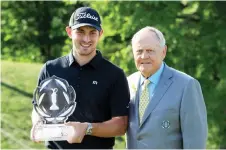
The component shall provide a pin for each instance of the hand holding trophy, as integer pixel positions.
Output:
(54, 102)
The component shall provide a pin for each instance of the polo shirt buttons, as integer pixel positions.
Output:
(79, 77)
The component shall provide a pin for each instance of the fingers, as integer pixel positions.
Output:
(79, 132)
(33, 136)
(74, 139)
(69, 123)
(36, 141)
(73, 124)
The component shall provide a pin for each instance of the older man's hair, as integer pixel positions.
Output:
(158, 33)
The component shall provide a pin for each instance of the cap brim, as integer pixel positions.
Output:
(85, 24)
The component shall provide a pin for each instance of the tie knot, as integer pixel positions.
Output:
(146, 82)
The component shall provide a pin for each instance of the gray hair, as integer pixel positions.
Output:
(158, 33)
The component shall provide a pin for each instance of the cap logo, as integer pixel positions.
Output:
(84, 15)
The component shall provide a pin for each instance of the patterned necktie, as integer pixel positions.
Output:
(144, 98)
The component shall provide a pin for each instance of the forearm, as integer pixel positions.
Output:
(117, 126)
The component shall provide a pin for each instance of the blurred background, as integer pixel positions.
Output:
(33, 32)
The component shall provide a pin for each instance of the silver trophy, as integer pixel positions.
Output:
(54, 102)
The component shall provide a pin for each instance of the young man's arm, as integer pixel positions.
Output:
(119, 98)
(117, 126)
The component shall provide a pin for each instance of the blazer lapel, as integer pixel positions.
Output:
(164, 83)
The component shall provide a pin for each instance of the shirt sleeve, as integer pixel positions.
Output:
(43, 74)
(120, 96)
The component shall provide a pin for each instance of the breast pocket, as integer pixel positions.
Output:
(165, 121)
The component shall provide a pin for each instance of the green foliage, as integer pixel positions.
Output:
(194, 31)
(35, 30)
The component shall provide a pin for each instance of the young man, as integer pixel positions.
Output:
(167, 109)
(101, 112)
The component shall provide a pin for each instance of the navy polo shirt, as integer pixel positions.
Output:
(101, 93)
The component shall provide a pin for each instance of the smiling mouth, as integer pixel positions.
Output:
(85, 45)
(145, 63)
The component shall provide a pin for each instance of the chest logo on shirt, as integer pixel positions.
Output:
(95, 82)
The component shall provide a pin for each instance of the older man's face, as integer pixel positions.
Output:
(148, 53)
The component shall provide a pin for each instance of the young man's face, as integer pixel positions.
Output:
(148, 54)
(84, 40)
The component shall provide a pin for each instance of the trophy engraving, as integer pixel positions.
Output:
(53, 97)
(54, 102)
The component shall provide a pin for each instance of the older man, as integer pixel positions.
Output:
(167, 109)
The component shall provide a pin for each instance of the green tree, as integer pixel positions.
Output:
(34, 31)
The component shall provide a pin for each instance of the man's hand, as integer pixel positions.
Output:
(79, 132)
(37, 123)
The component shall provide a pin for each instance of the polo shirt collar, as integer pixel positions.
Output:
(71, 58)
(94, 62)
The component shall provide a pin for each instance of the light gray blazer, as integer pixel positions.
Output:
(175, 118)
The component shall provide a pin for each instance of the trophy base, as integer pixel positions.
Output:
(51, 132)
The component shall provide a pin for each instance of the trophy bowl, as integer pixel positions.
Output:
(54, 102)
